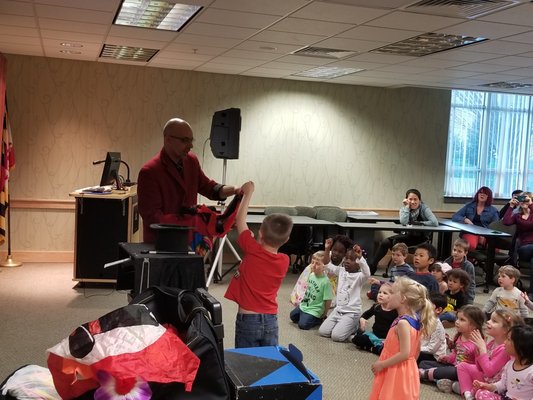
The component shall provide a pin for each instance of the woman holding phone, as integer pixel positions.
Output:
(523, 220)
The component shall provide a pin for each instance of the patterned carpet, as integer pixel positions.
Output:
(39, 306)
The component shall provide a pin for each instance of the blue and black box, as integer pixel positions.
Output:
(271, 372)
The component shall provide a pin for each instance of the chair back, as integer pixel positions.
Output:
(306, 211)
(333, 214)
(280, 210)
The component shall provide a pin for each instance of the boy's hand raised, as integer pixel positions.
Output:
(248, 188)
(358, 251)
(328, 243)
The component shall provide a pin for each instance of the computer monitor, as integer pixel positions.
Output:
(110, 173)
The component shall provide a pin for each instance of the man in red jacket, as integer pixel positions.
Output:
(172, 179)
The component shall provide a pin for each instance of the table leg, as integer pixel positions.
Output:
(489, 264)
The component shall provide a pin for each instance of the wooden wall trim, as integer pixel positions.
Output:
(43, 204)
(40, 256)
(51, 204)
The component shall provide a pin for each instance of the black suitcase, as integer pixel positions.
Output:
(198, 317)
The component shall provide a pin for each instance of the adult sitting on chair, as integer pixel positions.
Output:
(480, 212)
(171, 180)
(523, 220)
(413, 212)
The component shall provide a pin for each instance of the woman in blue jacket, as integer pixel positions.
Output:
(480, 212)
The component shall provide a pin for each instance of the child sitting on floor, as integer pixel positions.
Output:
(399, 268)
(507, 296)
(299, 289)
(439, 270)
(315, 303)
(458, 281)
(423, 258)
(458, 260)
(433, 347)
(517, 375)
(383, 319)
(469, 319)
(343, 321)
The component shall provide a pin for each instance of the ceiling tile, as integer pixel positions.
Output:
(513, 61)
(194, 49)
(235, 18)
(251, 55)
(350, 44)
(481, 67)
(72, 37)
(520, 15)
(82, 27)
(502, 47)
(237, 61)
(521, 38)
(310, 27)
(199, 28)
(339, 12)
(272, 7)
(16, 8)
(18, 20)
(287, 38)
(267, 47)
(18, 31)
(207, 40)
(412, 21)
(142, 33)
(222, 68)
(489, 30)
(379, 34)
(99, 5)
(122, 41)
(74, 14)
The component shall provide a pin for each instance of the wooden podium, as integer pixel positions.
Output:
(102, 222)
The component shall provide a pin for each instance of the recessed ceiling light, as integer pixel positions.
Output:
(70, 52)
(327, 72)
(127, 53)
(67, 44)
(427, 43)
(324, 52)
(165, 15)
(508, 85)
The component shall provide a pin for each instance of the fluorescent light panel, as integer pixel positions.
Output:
(427, 43)
(508, 85)
(324, 52)
(164, 15)
(127, 53)
(327, 72)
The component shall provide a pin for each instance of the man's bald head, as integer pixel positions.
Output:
(178, 138)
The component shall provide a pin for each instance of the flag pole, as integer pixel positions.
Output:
(9, 262)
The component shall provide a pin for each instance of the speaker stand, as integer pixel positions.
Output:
(218, 261)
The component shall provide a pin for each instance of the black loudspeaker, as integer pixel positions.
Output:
(225, 132)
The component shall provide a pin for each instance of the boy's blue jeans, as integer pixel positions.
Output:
(305, 321)
(255, 330)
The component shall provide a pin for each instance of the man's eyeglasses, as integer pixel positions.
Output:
(184, 140)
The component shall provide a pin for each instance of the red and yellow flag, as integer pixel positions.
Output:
(7, 163)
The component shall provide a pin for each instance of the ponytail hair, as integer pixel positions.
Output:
(416, 297)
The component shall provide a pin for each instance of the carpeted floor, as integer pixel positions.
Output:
(39, 306)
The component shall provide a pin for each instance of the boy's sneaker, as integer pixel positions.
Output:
(445, 385)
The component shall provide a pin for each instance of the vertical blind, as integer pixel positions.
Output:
(490, 143)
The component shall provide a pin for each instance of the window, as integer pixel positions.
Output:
(490, 143)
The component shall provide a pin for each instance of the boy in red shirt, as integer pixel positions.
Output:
(255, 286)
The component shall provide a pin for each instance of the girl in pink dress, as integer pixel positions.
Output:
(516, 382)
(396, 372)
(491, 357)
